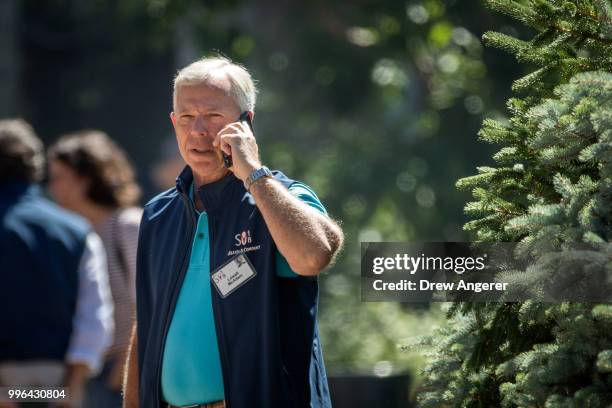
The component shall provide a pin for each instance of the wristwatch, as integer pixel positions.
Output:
(260, 173)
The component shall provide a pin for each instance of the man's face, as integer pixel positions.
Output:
(200, 112)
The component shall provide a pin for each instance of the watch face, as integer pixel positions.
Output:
(261, 172)
(256, 175)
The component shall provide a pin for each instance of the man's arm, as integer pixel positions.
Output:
(130, 379)
(306, 238)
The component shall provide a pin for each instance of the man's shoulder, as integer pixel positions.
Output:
(307, 194)
(280, 176)
(160, 204)
(289, 182)
(292, 184)
(162, 198)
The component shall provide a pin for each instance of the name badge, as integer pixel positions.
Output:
(232, 275)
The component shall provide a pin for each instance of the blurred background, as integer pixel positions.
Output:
(375, 104)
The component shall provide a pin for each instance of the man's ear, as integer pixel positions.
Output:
(173, 118)
(251, 115)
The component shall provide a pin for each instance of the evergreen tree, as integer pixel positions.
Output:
(551, 189)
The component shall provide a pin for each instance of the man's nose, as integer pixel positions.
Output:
(200, 126)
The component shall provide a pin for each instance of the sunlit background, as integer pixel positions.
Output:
(375, 104)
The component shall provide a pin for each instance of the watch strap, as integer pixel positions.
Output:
(255, 175)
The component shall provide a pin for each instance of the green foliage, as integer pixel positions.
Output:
(378, 99)
(371, 103)
(551, 189)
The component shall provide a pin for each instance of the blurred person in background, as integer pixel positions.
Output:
(55, 302)
(90, 175)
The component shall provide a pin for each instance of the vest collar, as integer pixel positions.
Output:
(184, 180)
(213, 195)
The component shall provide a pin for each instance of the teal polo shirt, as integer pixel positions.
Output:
(191, 366)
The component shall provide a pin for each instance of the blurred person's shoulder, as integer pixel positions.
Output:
(127, 221)
(130, 215)
(35, 210)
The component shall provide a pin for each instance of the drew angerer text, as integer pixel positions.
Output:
(424, 284)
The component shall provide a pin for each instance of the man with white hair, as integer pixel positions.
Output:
(227, 265)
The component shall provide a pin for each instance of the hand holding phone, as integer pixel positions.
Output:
(244, 117)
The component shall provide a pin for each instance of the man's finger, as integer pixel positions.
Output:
(234, 127)
(237, 127)
(227, 141)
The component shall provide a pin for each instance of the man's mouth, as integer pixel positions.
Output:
(201, 150)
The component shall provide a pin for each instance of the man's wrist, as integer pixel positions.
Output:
(256, 175)
(261, 186)
(251, 167)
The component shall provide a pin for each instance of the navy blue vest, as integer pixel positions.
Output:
(41, 247)
(266, 330)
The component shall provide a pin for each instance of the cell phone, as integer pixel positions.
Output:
(244, 117)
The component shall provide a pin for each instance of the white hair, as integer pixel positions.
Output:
(242, 88)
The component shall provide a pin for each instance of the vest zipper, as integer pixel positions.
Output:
(215, 304)
(175, 290)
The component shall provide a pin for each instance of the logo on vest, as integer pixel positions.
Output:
(241, 240)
